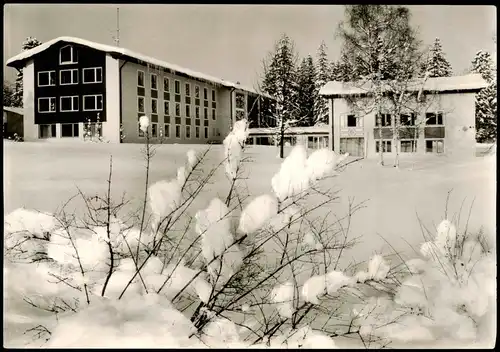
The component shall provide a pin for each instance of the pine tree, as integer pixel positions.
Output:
(486, 99)
(280, 81)
(436, 64)
(307, 93)
(17, 97)
(8, 92)
(323, 69)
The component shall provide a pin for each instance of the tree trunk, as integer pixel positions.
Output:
(380, 145)
(282, 141)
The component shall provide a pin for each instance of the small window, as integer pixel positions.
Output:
(68, 55)
(166, 84)
(140, 78)
(178, 121)
(154, 130)
(167, 130)
(240, 100)
(197, 92)
(140, 104)
(432, 118)
(177, 87)
(46, 131)
(141, 132)
(205, 113)
(434, 146)
(385, 119)
(213, 114)
(167, 119)
(197, 132)
(188, 131)
(177, 131)
(387, 146)
(67, 77)
(188, 111)
(352, 121)
(177, 109)
(188, 121)
(154, 81)
(408, 146)
(166, 108)
(92, 102)
(70, 130)
(46, 78)
(47, 105)
(206, 132)
(154, 106)
(69, 103)
(213, 95)
(188, 89)
(197, 112)
(92, 75)
(408, 119)
(205, 93)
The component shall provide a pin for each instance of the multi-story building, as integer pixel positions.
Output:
(441, 121)
(73, 85)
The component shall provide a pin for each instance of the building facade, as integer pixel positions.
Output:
(313, 137)
(441, 121)
(74, 87)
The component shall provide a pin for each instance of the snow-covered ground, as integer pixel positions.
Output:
(43, 175)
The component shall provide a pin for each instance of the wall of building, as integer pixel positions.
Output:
(130, 113)
(111, 127)
(459, 125)
(29, 127)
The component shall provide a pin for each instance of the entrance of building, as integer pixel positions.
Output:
(353, 146)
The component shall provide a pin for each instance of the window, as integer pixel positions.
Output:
(213, 95)
(166, 84)
(177, 109)
(197, 92)
(68, 55)
(188, 131)
(197, 122)
(188, 89)
(154, 81)
(69, 103)
(177, 87)
(188, 121)
(177, 131)
(140, 104)
(434, 146)
(154, 106)
(205, 93)
(46, 104)
(70, 130)
(46, 78)
(92, 102)
(188, 111)
(140, 78)
(197, 112)
(240, 114)
(386, 146)
(206, 132)
(67, 77)
(432, 118)
(205, 123)
(240, 100)
(178, 121)
(205, 113)
(46, 131)
(167, 130)
(197, 132)
(408, 119)
(141, 132)
(385, 119)
(352, 121)
(213, 114)
(166, 108)
(154, 130)
(408, 146)
(92, 75)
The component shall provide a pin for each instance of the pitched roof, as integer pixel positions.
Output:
(19, 111)
(20, 59)
(471, 82)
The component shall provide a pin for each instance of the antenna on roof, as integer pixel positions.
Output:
(117, 37)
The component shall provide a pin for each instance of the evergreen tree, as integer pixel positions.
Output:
(28, 44)
(280, 81)
(307, 92)
(323, 69)
(436, 64)
(486, 99)
(8, 93)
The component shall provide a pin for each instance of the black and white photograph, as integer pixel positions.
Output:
(249, 176)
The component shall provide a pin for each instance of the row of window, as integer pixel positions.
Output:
(67, 130)
(70, 77)
(70, 103)
(385, 120)
(187, 131)
(177, 86)
(166, 109)
(410, 146)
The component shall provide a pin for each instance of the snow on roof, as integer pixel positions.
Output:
(19, 111)
(290, 130)
(471, 82)
(25, 55)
